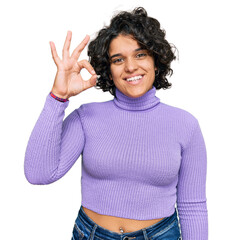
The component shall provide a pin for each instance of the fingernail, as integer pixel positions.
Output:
(93, 72)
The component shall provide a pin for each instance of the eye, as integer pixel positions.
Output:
(118, 60)
(141, 55)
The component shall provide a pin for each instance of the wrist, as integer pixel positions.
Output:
(58, 97)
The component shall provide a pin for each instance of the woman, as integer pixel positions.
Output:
(140, 156)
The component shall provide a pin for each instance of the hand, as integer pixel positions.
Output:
(68, 80)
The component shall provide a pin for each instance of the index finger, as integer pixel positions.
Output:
(77, 51)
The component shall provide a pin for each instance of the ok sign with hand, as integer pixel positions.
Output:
(68, 80)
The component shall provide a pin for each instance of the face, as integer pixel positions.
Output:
(130, 62)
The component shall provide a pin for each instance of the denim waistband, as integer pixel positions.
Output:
(139, 234)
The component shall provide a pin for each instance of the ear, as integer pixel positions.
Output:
(111, 77)
(156, 68)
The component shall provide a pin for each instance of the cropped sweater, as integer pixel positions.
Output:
(139, 158)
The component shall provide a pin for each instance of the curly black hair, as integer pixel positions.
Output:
(146, 30)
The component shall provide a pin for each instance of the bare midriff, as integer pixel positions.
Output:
(115, 223)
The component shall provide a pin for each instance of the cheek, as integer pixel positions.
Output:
(149, 67)
(115, 72)
(152, 68)
(151, 72)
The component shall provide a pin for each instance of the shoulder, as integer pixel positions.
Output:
(94, 107)
(183, 122)
(177, 114)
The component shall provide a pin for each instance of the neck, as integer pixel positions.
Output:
(144, 102)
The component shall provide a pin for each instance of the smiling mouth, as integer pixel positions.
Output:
(131, 79)
(134, 80)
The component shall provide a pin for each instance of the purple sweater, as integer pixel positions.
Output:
(139, 158)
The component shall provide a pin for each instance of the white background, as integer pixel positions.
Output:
(201, 85)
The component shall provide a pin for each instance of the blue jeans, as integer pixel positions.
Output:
(86, 229)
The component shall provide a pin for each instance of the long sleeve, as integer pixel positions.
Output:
(191, 188)
(54, 145)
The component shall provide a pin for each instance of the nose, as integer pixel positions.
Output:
(130, 65)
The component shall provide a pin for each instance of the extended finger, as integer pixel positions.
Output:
(54, 53)
(85, 64)
(65, 52)
(77, 51)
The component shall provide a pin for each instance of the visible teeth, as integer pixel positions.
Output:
(134, 78)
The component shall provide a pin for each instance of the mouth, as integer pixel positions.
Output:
(134, 80)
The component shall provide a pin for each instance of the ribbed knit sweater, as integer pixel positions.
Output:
(140, 157)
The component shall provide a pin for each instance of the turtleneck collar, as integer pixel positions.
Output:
(144, 102)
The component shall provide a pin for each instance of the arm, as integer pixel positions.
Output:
(54, 144)
(191, 188)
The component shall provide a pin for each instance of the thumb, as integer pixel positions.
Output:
(91, 82)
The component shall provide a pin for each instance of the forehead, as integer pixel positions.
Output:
(123, 44)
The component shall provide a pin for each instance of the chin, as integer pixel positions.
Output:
(136, 92)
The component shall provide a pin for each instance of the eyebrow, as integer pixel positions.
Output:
(119, 54)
